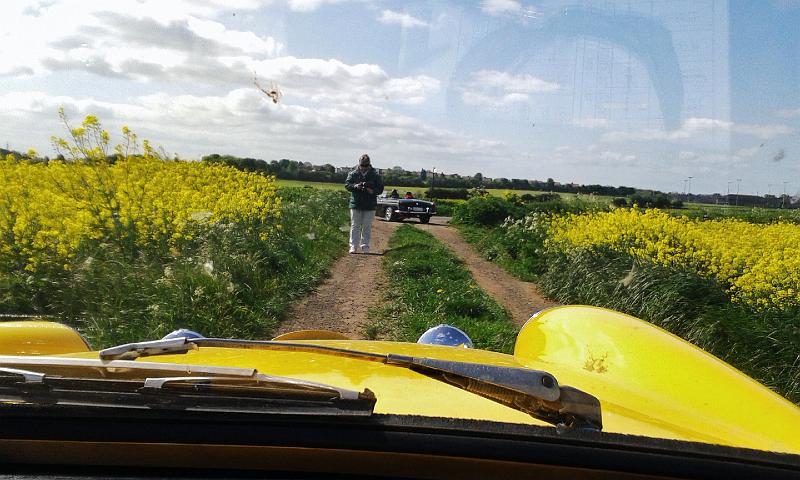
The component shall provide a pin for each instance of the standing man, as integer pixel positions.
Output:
(365, 185)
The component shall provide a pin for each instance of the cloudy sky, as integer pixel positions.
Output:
(633, 92)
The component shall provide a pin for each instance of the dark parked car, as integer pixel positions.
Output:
(392, 209)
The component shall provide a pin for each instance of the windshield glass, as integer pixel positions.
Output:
(244, 169)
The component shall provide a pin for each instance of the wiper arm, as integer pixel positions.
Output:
(534, 392)
(228, 389)
(132, 351)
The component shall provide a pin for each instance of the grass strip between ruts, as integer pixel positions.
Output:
(429, 285)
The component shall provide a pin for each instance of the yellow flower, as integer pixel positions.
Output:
(758, 264)
(49, 210)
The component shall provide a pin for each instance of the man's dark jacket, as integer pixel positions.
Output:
(362, 199)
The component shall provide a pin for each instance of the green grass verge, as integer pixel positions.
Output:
(748, 214)
(429, 286)
(521, 259)
(420, 191)
(227, 283)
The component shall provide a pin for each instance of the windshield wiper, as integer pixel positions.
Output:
(534, 392)
(87, 382)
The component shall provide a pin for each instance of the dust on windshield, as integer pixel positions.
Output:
(202, 166)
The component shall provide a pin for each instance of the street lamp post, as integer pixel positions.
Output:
(728, 194)
(738, 181)
(689, 190)
(433, 180)
(783, 199)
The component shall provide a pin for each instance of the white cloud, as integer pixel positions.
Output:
(310, 5)
(764, 132)
(246, 42)
(617, 158)
(334, 81)
(748, 152)
(245, 122)
(695, 127)
(789, 113)
(132, 39)
(405, 20)
(500, 7)
(590, 122)
(512, 83)
(592, 156)
(496, 89)
(481, 99)
(143, 46)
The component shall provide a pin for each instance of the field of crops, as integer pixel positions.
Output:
(758, 264)
(729, 285)
(48, 211)
(131, 246)
(419, 191)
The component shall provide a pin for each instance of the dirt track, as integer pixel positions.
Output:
(357, 283)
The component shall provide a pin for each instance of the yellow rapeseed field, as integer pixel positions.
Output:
(48, 209)
(757, 264)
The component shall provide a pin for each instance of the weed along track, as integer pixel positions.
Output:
(520, 298)
(341, 303)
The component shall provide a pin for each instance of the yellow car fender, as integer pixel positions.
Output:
(638, 370)
(36, 337)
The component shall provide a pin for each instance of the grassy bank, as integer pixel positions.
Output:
(429, 286)
(227, 281)
(763, 343)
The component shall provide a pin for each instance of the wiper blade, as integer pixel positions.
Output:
(534, 392)
(68, 381)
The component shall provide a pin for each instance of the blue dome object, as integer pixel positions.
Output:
(182, 332)
(446, 335)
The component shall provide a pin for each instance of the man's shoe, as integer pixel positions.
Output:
(352, 249)
(365, 250)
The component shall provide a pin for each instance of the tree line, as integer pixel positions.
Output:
(294, 170)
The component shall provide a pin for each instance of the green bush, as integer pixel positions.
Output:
(484, 210)
(445, 208)
(643, 200)
(542, 197)
(448, 193)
